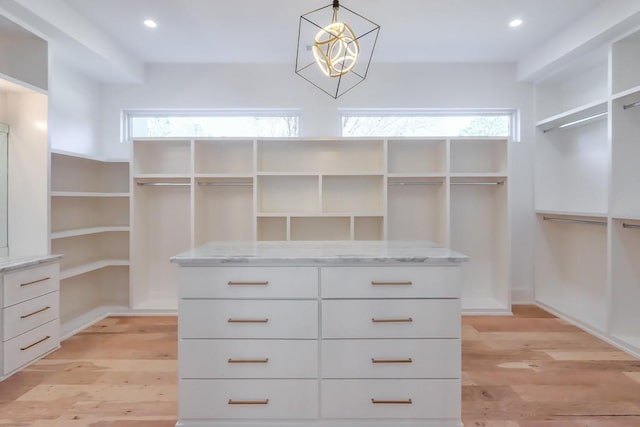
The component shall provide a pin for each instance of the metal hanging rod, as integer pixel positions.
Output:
(478, 183)
(225, 184)
(576, 122)
(627, 225)
(575, 221)
(163, 184)
(414, 183)
(632, 105)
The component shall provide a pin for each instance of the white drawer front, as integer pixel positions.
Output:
(26, 347)
(26, 284)
(248, 359)
(432, 358)
(20, 318)
(390, 282)
(248, 319)
(427, 318)
(391, 399)
(249, 399)
(248, 282)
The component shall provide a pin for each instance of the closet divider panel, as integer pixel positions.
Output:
(479, 229)
(625, 285)
(417, 209)
(223, 209)
(625, 177)
(161, 229)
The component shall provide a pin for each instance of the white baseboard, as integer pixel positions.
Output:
(522, 296)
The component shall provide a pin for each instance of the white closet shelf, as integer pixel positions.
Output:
(225, 175)
(317, 214)
(321, 173)
(86, 231)
(162, 176)
(87, 157)
(473, 175)
(86, 194)
(87, 268)
(416, 175)
(625, 93)
(627, 215)
(601, 215)
(576, 114)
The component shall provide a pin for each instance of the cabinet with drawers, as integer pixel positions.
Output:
(320, 340)
(30, 307)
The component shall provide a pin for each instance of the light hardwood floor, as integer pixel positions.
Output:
(529, 370)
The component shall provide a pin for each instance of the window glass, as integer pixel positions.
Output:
(168, 126)
(390, 125)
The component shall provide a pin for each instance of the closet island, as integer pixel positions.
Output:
(329, 334)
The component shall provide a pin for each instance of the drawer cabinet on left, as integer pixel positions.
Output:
(30, 314)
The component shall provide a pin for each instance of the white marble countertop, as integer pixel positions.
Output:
(14, 263)
(325, 252)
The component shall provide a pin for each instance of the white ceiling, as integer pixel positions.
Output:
(258, 31)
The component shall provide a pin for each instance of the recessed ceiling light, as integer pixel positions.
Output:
(150, 23)
(516, 22)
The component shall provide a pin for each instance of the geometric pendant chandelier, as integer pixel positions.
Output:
(335, 47)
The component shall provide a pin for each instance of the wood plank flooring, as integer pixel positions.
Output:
(529, 370)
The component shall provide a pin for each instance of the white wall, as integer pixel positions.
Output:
(75, 105)
(412, 86)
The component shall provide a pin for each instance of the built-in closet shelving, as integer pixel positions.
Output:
(90, 228)
(190, 191)
(587, 203)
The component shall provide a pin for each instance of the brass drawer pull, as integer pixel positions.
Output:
(399, 283)
(248, 402)
(265, 360)
(408, 360)
(231, 283)
(391, 402)
(35, 343)
(35, 312)
(34, 282)
(248, 321)
(393, 320)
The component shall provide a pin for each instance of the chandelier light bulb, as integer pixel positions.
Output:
(336, 48)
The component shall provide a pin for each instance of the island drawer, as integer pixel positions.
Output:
(202, 318)
(383, 358)
(401, 399)
(205, 358)
(26, 347)
(248, 282)
(248, 399)
(23, 317)
(25, 284)
(390, 282)
(425, 318)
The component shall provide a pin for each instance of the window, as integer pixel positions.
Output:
(167, 125)
(437, 124)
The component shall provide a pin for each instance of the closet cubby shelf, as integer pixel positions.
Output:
(574, 115)
(63, 234)
(86, 194)
(90, 203)
(92, 266)
(600, 215)
(634, 91)
(322, 189)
